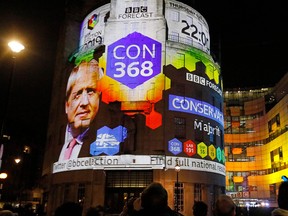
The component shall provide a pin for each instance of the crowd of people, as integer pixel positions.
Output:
(9, 210)
(154, 202)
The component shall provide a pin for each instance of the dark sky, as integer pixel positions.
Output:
(35, 24)
(249, 38)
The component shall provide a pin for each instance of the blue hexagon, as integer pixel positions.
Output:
(134, 59)
(108, 140)
(175, 146)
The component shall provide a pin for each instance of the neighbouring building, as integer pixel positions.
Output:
(256, 148)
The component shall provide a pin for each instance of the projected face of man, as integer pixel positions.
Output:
(82, 103)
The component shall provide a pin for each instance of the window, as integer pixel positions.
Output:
(180, 127)
(199, 136)
(212, 137)
(174, 36)
(272, 190)
(197, 192)
(81, 193)
(174, 15)
(179, 60)
(179, 196)
(135, 179)
(66, 192)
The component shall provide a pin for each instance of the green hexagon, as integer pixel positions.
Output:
(219, 154)
(223, 156)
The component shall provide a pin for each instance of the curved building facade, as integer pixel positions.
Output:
(148, 97)
(256, 144)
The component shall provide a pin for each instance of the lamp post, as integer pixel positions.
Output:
(15, 47)
(177, 169)
(3, 176)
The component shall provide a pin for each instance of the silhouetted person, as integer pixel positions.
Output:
(154, 201)
(95, 211)
(128, 208)
(6, 213)
(282, 200)
(224, 206)
(69, 209)
(200, 208)
(8, 206)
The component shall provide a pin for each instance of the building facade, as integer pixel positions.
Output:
(160, 106)
(256, 143)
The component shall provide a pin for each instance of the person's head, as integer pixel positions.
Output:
(154, 198)
(69, 208)
(95, 211)
(224, 206)
(200, 208)
(6, 212)
(130, 205)
(283, 195)
(7, 206)
(82, 95)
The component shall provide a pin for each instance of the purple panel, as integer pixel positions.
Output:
(175, 146)
(134, 59)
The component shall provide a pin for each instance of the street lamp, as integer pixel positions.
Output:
(15, 47)
(177, 169)
(17, 160)
(3, 176)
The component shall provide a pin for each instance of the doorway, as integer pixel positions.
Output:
(122, 185)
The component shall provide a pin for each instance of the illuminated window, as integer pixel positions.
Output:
(136, 179)
(272, 190)
(180, 60)
(274, 123)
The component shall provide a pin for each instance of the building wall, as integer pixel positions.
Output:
(256, 151)
(174, 116)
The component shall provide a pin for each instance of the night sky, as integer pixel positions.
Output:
(248, 38)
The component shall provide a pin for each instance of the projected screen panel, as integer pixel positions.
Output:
(187, 26)
(119, 85)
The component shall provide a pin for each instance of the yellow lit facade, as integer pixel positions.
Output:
(256, 124)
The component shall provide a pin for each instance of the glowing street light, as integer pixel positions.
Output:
(16, 46)
(3, 175)
(17, 160)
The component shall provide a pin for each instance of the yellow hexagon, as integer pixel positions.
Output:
(202, 149)
(212, 152)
